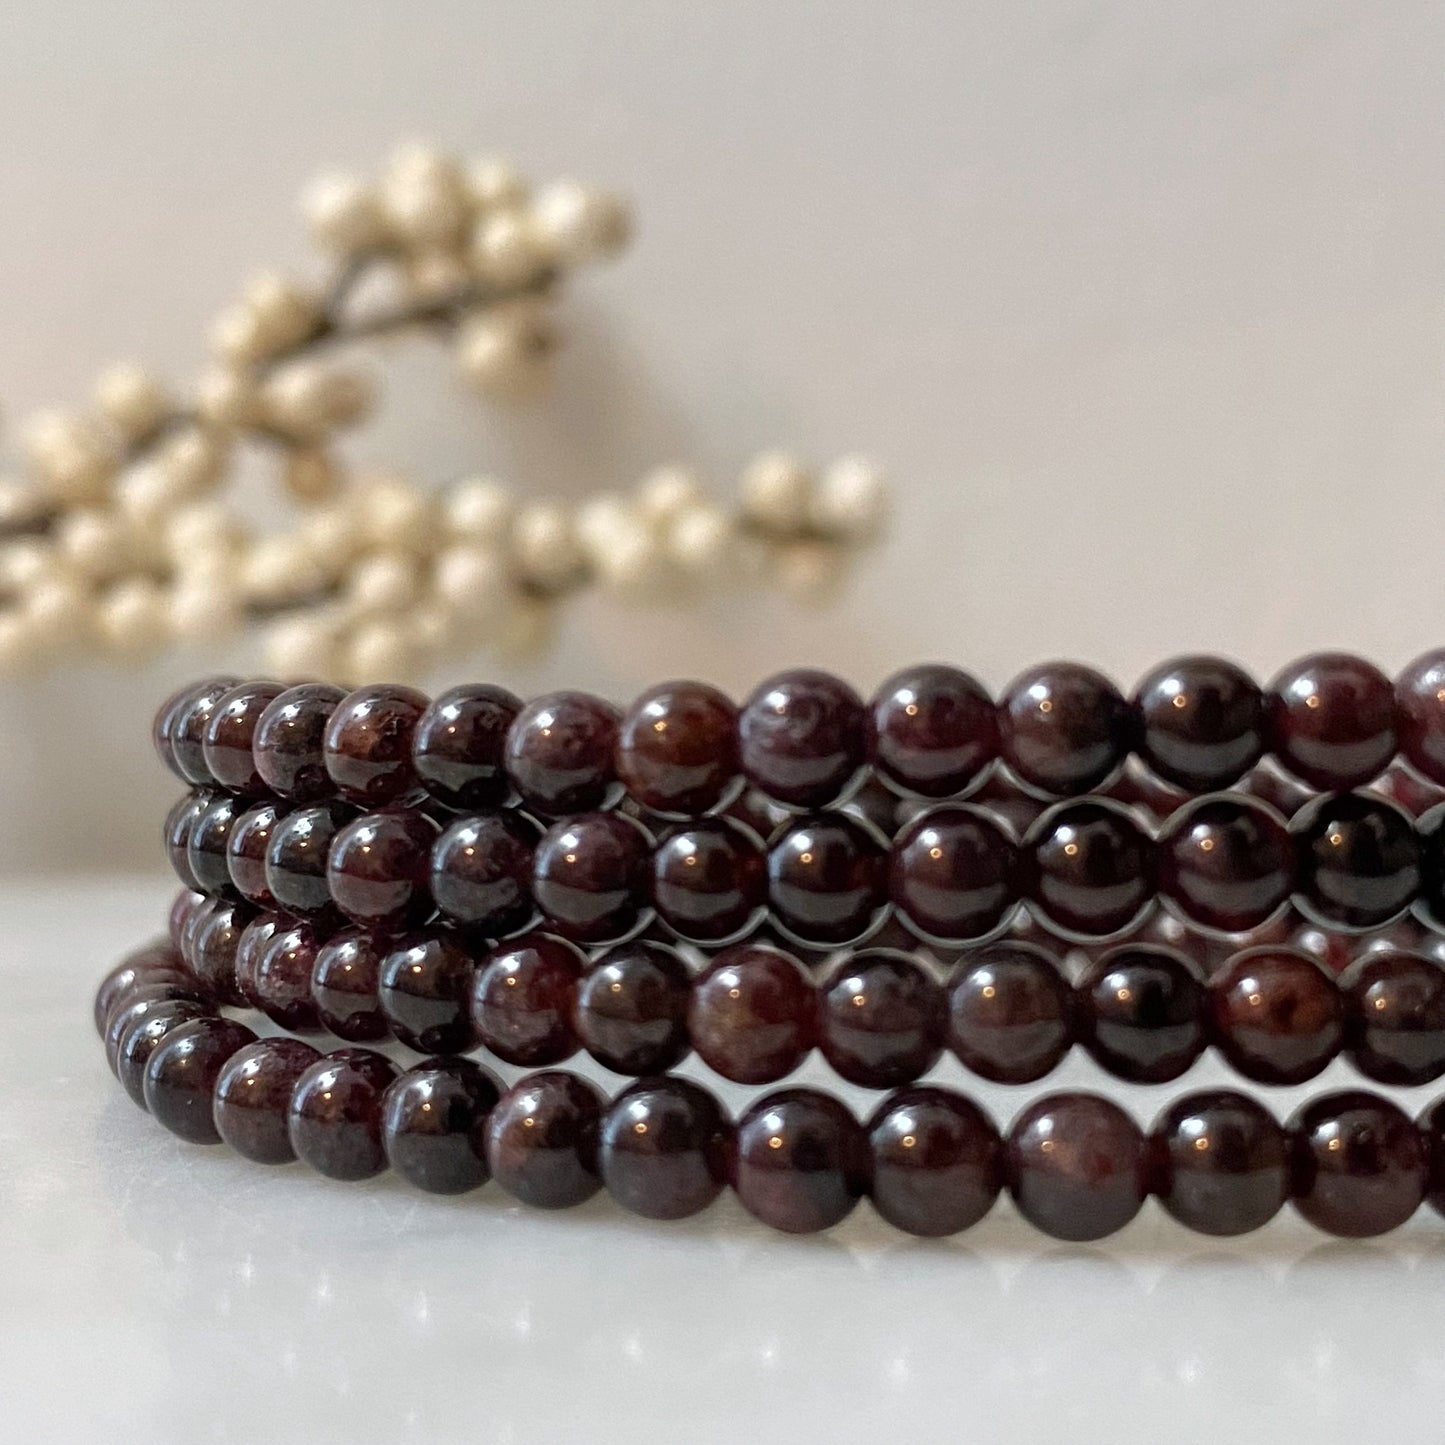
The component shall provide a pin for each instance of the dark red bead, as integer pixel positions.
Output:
(206, 845)
(542, 1140)
(559, 753)
(677, 748)
(1063, 728)
(213, 950)
(955, 874)
(154, 963)
(1010, 1013)
(253, 1096)
(753, 1014)
(1432, 1131)
(182, 906)
(481, 872)
(802, 736)
(1220, 1162)
(1077, 1166)
(434, 1124)
(457, 749)
(139, 1003)
(827, 878)
(802, 1161)
(296, 857)
(368, 742)
(1226, 862)
(1332, 720)
(1141, 1012)
(1358, 860)
(288, 747)
(181, 1073)
(1277, 1016)
(176, 836)
(424, 988)
(246, 847)
(1395, 1016)
(709, 880)
(937, 1161)
(664, 1148)
(590, 876)
(523, 995)
(249, 950)
(1420, 715)
(281, 981)
(378, 868)
(345, 977)
(143, 1034)
(1358, 1164)
(1093, 867)
(932, 731)
(1202, 722)
(880, 1018)
(180, 728)
(631, 1008)
(231, 733)
(334, 1121)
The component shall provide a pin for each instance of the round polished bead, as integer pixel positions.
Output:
(880, 1018)
(802, 736)
(1202, 722)
(206, 845)
(677, 748)
(931, 731)
(250, 948)
(1141, 1012)
(559, 753)
(1220, 1162)
(1432, 1130)
(246, 847)
(1226, 862)
(542, 1140)
(827, 878)
(213, 950)
(296, 857)
(937, 1161)
(631, 1008)
(954, 873)
(253, 1096)
(1332, 720)
(753, 1014)
(434, 1124)
(334, 1120)
(378, 868)
(281, 982)
(481, 872)
(182, 906)
(143, 1034)
(523, 995)
(1077, 1166)
(154, 963)
(1010, 1013)
(181, 1073)
(458, 746)
(1358, 860)
(231, 733)
(1277, 1016)
(709, 880)
(424, 987)
(1395, 1016)
(180, 728)
(664, 1148)
(345, 978)
(1358, 1164)
(368, 741)
(196, 920)
(139, 1003)
(1063, 728)
(801, 1161)
(1093, 867)
(1420, 715)
(289, 743)
(176, 836)
(590, 876)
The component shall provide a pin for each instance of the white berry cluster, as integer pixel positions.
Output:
(124, 533)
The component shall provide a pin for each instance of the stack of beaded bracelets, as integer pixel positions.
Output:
(334, 923)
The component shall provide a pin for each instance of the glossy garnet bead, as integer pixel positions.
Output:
(1077, 1166)
(1141, 1012)
(1430, 837)
(1395, 1016)
(1063, 728)
(802, 1161)
(206, 845)
(880, 1018)
(559, 753)
(1358, 1164)
(288, 747)
(231, 733)
(1202, 722)
(457, 748)
(937, 1161)
(246, 847)
(1227, 862)
(955, 874)
(378, 868)
(280, 981)
(752, 1015)
(932, 731)
(1010, 1013)
(296, 857)
(1094, 867)
(677, 749)
(181, 1074)
(144, 1032)
(345, 978)
(1332, 720)
(334, 1120)
(1277, 1016)
(1220, 1162)
(481, 872)
(213, 950)
(590, 876)
(1420, 715)
(709, 880)
(154, 963)
(179, 732)
(253, 1096)
(250, 947)
(542, 1140)
(802, 736)
(523, 995)
(631, 1008)
(434, 1124)
(1358, 860)
(141, 1002)
(827, 878)
(176, 836)
(367, 747)
(424, 988)
(664, 1148)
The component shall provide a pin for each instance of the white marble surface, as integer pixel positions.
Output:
(151, 1290)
